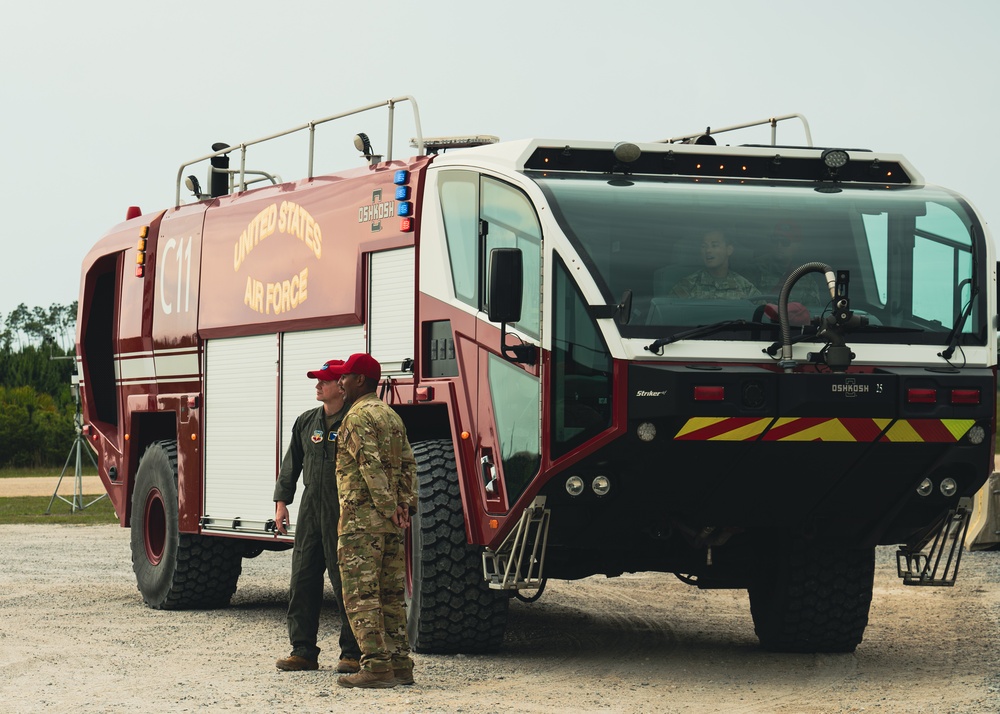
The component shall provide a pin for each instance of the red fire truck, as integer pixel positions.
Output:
(745, 365)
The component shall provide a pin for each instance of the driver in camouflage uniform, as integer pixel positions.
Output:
(376, 480)
(715, 280)
(312, 453)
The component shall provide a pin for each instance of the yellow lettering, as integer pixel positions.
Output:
(270, 297)
(283, 216)
(303, 280)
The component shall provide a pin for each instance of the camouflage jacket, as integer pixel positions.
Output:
(375, 467)
(701, 285)
(811, 288)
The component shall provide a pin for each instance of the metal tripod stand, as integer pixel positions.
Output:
(76, 454)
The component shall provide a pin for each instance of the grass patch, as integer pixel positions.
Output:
(31, 509)
(54, 471)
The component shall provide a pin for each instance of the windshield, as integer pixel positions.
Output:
(701, 253)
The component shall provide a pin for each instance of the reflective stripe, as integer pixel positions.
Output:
(151, 367)
(824, 429)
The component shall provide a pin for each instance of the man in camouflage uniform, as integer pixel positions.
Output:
(312, 452)
(715, 280)
(376, 479)
(783, 256)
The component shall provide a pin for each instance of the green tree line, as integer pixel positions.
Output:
(37, 408)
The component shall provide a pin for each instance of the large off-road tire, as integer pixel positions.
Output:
(175, 571)
(813, 599)
(450, 608)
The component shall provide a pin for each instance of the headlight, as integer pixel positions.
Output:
(574, 485)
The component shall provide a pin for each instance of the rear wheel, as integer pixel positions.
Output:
(814, 599)
(175, 571)
(451, 608)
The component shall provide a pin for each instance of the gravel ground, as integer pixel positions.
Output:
(75, 637)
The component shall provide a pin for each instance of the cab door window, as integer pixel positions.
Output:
(508, 220)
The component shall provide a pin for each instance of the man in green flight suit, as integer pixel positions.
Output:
(377, 483)
(313, 452)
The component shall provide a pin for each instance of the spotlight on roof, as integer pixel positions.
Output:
(834, 158)
(626, 152)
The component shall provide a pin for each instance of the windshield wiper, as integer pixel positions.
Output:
(963, 315)
(702, 330)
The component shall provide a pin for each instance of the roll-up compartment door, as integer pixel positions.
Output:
(241, 403)
(391, 308)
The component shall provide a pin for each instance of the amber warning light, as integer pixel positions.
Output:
(140, 252)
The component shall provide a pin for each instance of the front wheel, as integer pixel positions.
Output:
(451, 608)
(173, 570)
(813, 598)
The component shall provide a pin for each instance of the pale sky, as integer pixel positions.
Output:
(104, 100)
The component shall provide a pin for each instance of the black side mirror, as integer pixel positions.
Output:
(506, 280)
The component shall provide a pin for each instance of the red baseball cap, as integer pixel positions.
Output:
(363, 363)
(332, 370)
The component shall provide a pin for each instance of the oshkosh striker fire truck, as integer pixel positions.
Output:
(575, 407)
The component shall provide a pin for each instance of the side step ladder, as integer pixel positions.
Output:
(922, 564)
(519, 562)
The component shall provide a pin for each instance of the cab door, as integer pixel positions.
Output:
(509, 419)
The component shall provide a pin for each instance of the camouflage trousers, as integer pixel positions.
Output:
(372, 569)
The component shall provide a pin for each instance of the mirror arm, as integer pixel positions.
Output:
(522, 353)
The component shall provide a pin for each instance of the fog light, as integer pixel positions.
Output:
(925, 487)
(646, 431)
(574, 485)
(948, 487)
(976, 435)
(601, 485)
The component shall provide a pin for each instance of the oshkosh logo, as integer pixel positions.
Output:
(648, 393)
(849, 388)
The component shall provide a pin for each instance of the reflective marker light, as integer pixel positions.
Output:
(948, 487)
(574, 485)
(402, 193)
(401, 177)
(925, 487)
(921, 396)
(646, 431)
(601, 485)
(405, 209)
(965, 396)
(976, 435)
(709, 394)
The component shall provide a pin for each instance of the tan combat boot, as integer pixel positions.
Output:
(294, 663)
(403, 676)
(366, 679)
(348, 666)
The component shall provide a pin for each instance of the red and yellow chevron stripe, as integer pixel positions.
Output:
(853, 429)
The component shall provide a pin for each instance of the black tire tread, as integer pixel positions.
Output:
(455, 610)
(205, 569)
(818, 600)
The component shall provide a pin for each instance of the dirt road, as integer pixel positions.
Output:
(75, 637)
